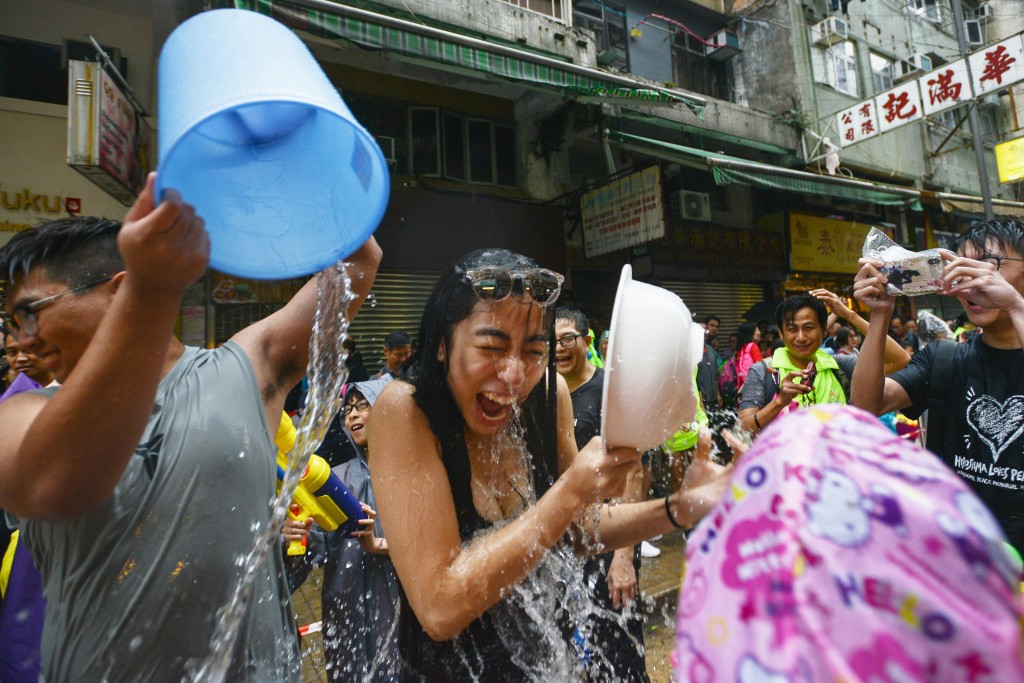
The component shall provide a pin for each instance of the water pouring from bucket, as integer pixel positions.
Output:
(257, 138)
(653, 351)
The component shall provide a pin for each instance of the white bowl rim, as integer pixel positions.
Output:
(609, 358)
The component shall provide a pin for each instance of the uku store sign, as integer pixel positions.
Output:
(992, 69)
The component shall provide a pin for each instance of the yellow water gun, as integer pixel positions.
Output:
(320, 494)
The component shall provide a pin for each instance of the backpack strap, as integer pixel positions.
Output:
(938, 390)
(844, 381)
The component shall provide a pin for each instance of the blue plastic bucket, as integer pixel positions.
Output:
(254, 135)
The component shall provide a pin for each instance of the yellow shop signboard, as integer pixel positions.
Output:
(825, 245)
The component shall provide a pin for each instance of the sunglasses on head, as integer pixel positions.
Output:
(540, 285)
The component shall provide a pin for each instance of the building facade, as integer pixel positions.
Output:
(505, 122)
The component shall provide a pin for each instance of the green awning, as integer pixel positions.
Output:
(728, 169)
(380, 32)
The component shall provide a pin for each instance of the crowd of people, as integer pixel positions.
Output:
(502, 534)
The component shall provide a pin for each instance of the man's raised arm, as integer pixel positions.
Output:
(278, 346)
(870, 390)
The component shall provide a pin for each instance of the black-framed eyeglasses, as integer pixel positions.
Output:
(358, 405)
(568, 341)
(997, 260)
(540, 285)
(23, 318)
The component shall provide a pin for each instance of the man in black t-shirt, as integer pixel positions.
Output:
(983, 428)
(614, 573)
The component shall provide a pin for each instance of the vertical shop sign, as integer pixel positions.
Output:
(109, 141)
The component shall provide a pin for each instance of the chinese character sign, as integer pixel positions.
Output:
(857, 123)
(825, 245)
(624, 213)
(997, 66)
(898, 106)
(945, 87)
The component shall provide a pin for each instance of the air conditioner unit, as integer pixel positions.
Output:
(983, 13)
(829, 32)
(722, 45)
(693, 206)
(913, 66)
(973, 32)
(990, 101)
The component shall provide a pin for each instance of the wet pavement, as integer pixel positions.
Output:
(659, 583)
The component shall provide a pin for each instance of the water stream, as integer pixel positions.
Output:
(327, 373)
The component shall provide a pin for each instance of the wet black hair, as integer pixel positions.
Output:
(579, 321)
(1007, 233)
(745, 334)
(787, 310)
(451, 301)
(74, 251)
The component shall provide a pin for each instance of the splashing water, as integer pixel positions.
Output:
(327, 373)
(557, 598)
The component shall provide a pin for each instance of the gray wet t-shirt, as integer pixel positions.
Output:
(132, 588)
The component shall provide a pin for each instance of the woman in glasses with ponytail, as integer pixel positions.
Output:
(481, 487)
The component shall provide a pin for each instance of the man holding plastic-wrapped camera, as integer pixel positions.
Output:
(974, 391)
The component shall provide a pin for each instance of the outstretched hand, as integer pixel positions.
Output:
(702, 487)
(165, 247)
(600, 474)
(834, 303)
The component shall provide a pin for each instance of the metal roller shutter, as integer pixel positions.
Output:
(726, 300)
(396, 302)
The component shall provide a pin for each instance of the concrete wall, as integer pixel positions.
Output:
(126, 25)
(35, 180)
(767, 71)
(508, 23)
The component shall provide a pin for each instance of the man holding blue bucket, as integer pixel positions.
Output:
(138, 483)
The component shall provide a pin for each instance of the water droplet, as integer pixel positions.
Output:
(135, 643)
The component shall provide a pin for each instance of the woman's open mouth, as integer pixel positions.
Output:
(494, 407)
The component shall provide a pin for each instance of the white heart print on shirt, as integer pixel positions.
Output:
(997, 424)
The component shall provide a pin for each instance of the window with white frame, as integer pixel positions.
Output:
(882, 72)
(556, 9)
(837, 66)
(456, 147)
(934, 11)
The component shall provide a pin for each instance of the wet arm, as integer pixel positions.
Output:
(450, 585)
(278, 346)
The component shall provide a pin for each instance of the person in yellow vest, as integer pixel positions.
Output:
(800, 373)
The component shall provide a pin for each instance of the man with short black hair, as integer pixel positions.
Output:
(711, 324)
(974, 392)
(788, 379)
(138, 483)
(397, 350)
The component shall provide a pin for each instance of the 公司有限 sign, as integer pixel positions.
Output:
(624, 213)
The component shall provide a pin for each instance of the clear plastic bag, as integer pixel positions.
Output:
(910, 273)
(931, 327)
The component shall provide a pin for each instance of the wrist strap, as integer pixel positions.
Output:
(756, 422)
(668, 513)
